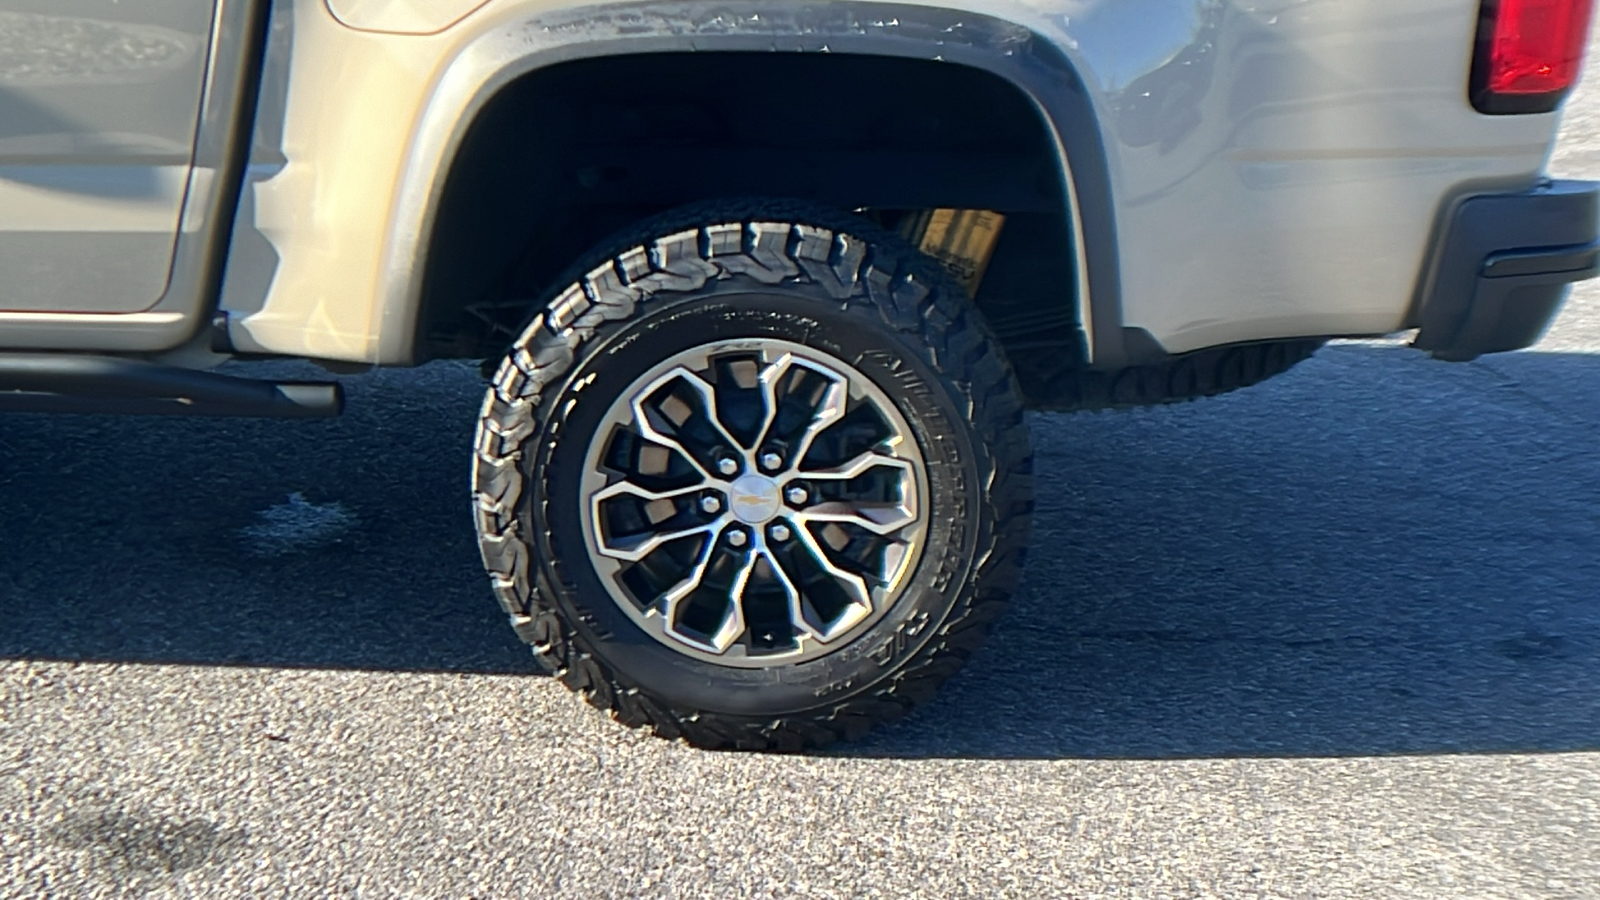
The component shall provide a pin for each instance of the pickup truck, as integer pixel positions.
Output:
(762, 291)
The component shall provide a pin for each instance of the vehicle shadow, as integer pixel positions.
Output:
(1376, 554)
(1373, 554)
(338, 544)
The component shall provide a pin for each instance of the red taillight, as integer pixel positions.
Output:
(1529, 53)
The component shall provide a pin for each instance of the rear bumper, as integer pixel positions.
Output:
(1502, 267)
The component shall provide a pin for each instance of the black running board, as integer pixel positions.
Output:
(60, 383)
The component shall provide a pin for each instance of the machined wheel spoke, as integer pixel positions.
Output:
(671, 599)
(733, 620)
(797, 602)
(878, 518)
(629, 489)
(733, 626)
(708, 398)
(636, 547)
(854, 585)
(650, 434)
(829, 411)
(859, 466)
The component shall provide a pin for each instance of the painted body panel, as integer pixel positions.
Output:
(111, 226)
(1279, 173)
(1276, 166)
(1272, 168)
(99, 105)
(402, 16)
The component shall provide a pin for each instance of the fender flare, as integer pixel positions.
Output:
(515, 46)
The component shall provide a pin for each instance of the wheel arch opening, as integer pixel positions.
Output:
(567, 155)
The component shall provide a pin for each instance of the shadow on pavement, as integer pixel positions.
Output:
(1374, 554)
(144, 540)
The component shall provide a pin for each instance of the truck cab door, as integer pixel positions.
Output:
(99, 105)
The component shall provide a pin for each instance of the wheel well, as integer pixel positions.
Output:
(567, 155)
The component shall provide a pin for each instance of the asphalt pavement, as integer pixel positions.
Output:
(1336, 636)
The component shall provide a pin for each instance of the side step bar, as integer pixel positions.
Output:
(61, 383)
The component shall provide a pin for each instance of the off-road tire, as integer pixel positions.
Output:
(957, 390)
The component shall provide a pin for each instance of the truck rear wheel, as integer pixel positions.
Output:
(758, 479)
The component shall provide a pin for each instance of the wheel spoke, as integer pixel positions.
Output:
(797, 603)
(629, 489)
(733, 626)
(860, 594)
(859, 466)
(708, 409)
(878, 518)
(637, 547)
(733, 620)
(830, 410)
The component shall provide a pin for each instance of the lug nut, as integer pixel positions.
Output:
(772, 462)
(728, 465)
(780, 533)
(711, 504)
(797, 495)
(737, 538)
